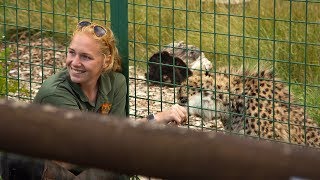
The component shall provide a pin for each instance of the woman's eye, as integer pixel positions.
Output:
(71, 52)
(85, 57)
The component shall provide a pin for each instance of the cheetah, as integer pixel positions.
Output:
(250, 103)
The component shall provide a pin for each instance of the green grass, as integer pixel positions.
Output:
(4, 84)
(262, 32)
(8, 85)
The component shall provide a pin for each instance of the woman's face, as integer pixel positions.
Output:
(84, 60)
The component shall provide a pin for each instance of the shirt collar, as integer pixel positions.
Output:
(104, 84)
(77, 89)
(104, 87)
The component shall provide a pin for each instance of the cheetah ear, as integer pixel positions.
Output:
(267, 73)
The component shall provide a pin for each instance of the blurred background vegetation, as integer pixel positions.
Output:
(281, 34)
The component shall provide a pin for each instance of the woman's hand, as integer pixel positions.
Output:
(176, 114)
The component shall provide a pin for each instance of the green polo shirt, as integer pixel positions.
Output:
(60, 91)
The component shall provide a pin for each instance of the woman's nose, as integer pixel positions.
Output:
(76, 61)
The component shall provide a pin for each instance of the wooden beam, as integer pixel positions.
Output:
(146, 149)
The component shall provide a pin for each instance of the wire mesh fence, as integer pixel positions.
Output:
(241, 40)
(281, 35)
(239, 66)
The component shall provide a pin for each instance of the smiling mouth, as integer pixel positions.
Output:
(77, 71)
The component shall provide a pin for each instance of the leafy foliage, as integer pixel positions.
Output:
(7, 85)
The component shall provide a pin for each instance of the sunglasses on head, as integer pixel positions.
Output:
(99, 31)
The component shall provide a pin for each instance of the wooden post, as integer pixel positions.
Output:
(146, 149)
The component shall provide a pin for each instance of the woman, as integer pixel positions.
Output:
(92, 80)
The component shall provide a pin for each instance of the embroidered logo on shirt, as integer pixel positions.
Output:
(105, 108)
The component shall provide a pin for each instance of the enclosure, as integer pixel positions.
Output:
(278, 36)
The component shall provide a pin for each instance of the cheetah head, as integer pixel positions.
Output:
(197, 92)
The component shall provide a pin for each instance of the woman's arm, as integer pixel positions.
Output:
(176, 114)
(58, 100)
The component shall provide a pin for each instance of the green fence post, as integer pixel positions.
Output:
(119, 25)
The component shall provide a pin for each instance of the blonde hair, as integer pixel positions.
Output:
(107, 46)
